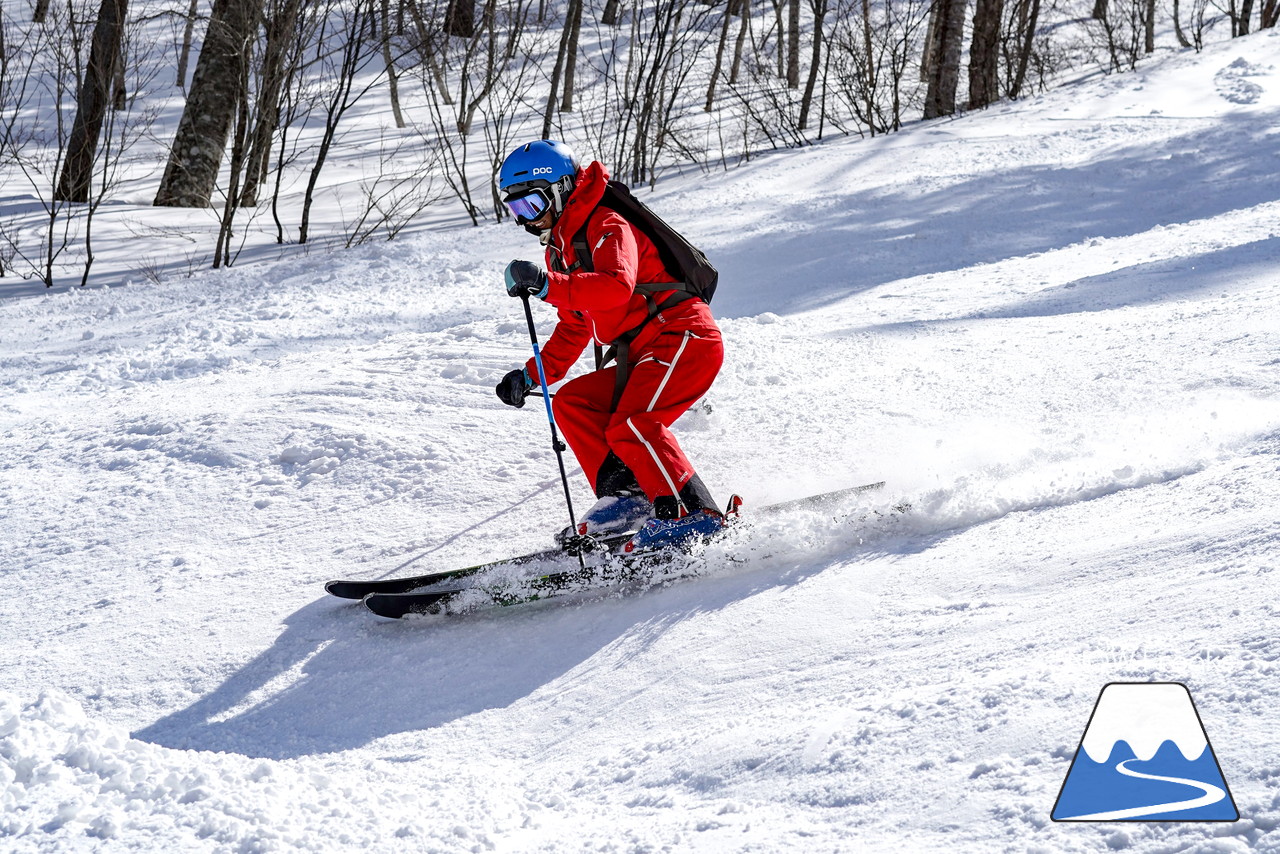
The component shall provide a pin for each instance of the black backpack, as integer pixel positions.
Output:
(679, 256)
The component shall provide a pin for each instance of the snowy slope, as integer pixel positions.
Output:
(1051, 327)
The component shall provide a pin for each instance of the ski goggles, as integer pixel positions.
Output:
(528, 206)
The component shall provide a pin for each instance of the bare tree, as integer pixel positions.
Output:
(720, 45)
(1270, 14)
(780, 46)
(744, 13)
(272, 72)
(41, 74)
(352, 59)
(1183, 41)
(393, 195)
(507, 99)
(571, 55)
(1121, 33)
(793, 44)
(94, 98)
(944, 64)
(45, 68)
(389, 61)
(984, 53)
(819, 8)
(460, 18)
(211, 107)
(1026, 17)
(239, 149)
(184, 54)
(558, 69)
(875, 47)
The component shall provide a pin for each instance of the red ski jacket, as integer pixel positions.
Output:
(603, 304)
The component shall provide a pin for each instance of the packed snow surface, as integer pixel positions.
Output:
(1050, 327)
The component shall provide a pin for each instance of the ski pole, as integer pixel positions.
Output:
(556, 444)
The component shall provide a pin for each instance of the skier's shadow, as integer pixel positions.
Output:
(339, 677)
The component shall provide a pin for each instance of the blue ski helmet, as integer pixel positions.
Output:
(535, 176)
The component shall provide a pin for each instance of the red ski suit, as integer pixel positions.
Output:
(674, 359)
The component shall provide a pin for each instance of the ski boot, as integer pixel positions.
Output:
(670, 529)
(612, 514)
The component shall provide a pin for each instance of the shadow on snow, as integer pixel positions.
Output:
(866, 239)
(353, 677)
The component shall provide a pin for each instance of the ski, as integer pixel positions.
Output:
(615, 569)
(399, 597)
(358, 589)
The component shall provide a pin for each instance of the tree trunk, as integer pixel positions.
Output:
(571, 55)
(745, 12)
(940, 99)
(806, 101)
(184, 57)
(1024, 53)
(425, 47)
(1246, 12)
(95, 95)
(715, 69)
(281, 29)
(793, 46)
(609, 17)
(222, 251)
(119, 89)
(1183, 41)
(201, 140)
(927, 53)
(780, 53)
(984, 53)
(392, 82)
(556, 72)
(1270, 14)
(460, 18)
(873, 67)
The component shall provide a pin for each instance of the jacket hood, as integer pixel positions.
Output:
(587, 192)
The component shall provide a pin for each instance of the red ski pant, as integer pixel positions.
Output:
(666, 378)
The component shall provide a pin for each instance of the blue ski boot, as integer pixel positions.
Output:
(612, 514)
(668, 529)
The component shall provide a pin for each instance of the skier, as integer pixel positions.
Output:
(669, 350)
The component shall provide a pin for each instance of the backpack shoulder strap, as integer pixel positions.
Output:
(582, 249)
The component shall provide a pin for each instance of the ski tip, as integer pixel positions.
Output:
(343, 590)
(377, 603)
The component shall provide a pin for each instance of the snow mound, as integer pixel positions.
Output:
(1232, 85)
(71, 782)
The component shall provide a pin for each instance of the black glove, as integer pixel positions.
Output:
(525, 278)
(513, 388)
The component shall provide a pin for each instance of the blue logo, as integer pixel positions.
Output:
(1145, 757)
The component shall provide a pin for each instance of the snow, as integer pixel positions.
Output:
(1050, 327)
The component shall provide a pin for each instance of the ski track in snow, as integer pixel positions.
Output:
(1051, 327)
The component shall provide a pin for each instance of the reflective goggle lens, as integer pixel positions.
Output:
(527, 208)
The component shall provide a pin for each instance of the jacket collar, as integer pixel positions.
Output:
(587, 193)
